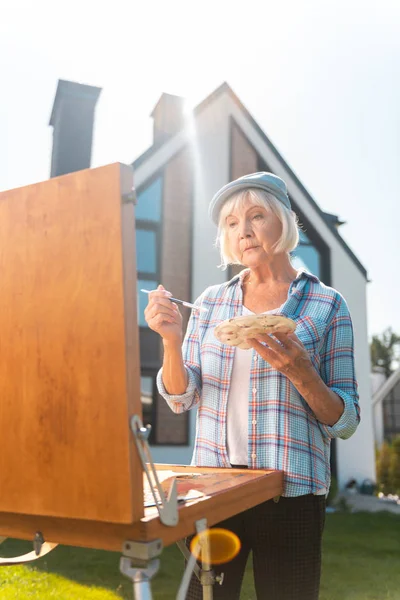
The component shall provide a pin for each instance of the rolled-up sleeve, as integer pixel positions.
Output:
(338, 372)
(191, 358)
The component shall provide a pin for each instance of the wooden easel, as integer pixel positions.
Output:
(75, 465)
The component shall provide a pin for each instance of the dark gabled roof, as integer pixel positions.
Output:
(326, 217)
(334, 219)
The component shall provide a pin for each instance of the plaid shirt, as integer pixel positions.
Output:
(284, 434)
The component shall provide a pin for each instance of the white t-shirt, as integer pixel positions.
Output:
(238, 406)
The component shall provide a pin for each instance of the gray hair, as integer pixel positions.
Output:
(290, 230)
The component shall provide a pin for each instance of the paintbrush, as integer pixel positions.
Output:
(177, 301)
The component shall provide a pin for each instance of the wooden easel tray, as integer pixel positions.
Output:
(232, 492)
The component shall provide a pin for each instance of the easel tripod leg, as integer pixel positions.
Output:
(139, 562)
(206, 570)
(205, 575)
(141, 575)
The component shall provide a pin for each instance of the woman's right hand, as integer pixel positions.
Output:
(163, 316)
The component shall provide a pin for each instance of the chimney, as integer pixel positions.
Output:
(72, 120)
(168, 116)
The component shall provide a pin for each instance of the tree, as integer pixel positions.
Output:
(394, 466)
(383, 468)
(385, 350)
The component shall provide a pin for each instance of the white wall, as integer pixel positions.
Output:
(378, 378)
(211, 164)
(356, 456)
(378, 424)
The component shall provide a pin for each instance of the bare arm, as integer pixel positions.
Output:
(164, 318)
(174, 374)
(326, 405)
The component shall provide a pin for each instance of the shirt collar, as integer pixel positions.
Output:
(301, 273)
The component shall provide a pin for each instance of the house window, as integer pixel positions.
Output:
(148, 219)
(144, 284)
(167, 428)
(146, 251)
(307, 256)
(149, 202)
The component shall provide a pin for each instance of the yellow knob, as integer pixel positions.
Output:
(215, 546)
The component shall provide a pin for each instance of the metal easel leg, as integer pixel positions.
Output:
(205, 575)
(206, 570)
(139, 563)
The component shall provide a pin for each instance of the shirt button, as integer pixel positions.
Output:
(254, 422)
(254, 390)
(255, 358)
(254, 456)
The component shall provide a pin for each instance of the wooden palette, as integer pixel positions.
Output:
(235, 331)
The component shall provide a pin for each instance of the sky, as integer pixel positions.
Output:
(321, 78)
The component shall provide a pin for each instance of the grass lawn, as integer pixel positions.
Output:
(361, 561)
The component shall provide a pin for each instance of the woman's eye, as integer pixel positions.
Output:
(258, 216)
(231, 224)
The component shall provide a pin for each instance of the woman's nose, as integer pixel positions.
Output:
(245, 229)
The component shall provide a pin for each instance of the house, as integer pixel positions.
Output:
(191, 157)
(386, 407)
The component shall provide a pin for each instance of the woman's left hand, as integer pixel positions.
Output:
(289, 356)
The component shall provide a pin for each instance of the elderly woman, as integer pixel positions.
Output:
(277, 405)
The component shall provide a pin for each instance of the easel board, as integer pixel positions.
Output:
(69, 368)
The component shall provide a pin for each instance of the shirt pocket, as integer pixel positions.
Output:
(311, 332)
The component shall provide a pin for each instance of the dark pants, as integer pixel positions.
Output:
(285, 538)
